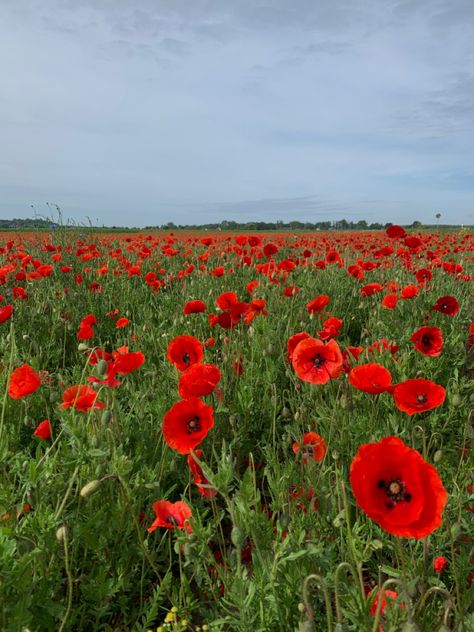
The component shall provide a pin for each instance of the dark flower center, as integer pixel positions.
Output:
(395, 491)
(422, 398)
(318, 360)
(186, 357)
(426, 340)
(308, 450)
(194, 425)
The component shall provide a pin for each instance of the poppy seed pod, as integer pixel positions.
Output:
(90, 488)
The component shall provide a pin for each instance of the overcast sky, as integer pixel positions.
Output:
(140, 112)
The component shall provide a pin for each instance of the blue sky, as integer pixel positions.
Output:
(148, 111)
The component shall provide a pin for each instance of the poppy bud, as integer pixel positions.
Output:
(26, 337)
(61, 533)
(106, 417)
(102, 367)
(237, 537)
(82, 347)
(89, 489)
(456, 399)
(301, 607)
(296, 416)
(285, 412)
(438, 455)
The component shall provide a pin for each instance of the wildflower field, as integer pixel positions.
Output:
(236, 432)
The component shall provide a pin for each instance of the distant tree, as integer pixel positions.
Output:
(416, 224)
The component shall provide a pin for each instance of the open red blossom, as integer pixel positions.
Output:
(332, 328)
(199, 380)
(43, 430)
(447, 305)
(395, 231)
(440, 564)
(171, 515)
(121, 322)
(316, 362)
(381, 595)
(186, 424)
(88, 321)
(370, 289)
(428, 340)
(125, 363)
(418, 395)
(199, 476)
(397, 488)
(23, 381)
(183, 351)
(409, 291)
(194, 307)
(317, 305)
(291, 290)
(312, 447)
(81, 397)
(85, 333)
(390, 301)
(227, 300)
(424, 275)
(293, 342)
(371, 378)
(5, 313)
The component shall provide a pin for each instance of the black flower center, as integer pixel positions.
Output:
(426, 340)
(395, 491)
(194, 425)
(422, 398)
(318, 360)
(186, 357)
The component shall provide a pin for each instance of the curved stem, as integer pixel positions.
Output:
(327, 601)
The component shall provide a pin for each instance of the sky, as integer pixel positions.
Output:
(142, 112)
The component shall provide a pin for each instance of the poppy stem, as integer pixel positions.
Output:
(3, 446)
(350, 539)
(327, 601)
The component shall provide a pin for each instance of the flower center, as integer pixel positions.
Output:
(194, 425)
(186, 357)
(318, 360)
(395, 491)
(421, 398)
(426, 340)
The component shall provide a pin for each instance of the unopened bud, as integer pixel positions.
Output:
(90, 488)
(82, 347)
(102, 367)
(61, 533)
(106, 417)
(438, 455)
(237, 537)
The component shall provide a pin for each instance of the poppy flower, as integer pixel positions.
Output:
(313, 447)
(423, 275)
(293, 342)
(194, 307)
(395, 232)
(198, 380)
(332, 328)
(85, 333)
(390, 301)
(127, 362)
(121, 322)
(291, 290)
(23, 381)
(317, 305)
(186, 424)
(370, 289)
(409, 291)
(171, 515)
(183, 351)
(418, 395)
(371, 378)
(81, 397)
(199, 477)
(5, 313)
(305, 498)
(88, 321)
(428, 340)
(43, 430)
(383, 596)
(397, 488)
(440, 564)
(446, 305)
(316, 362)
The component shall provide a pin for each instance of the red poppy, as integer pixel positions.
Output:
(127, 362)
(424, 275)
(305, 498)
(227, 300)
(199, 477)
(428, 340)
(317, 305)
(121, 322)
(371, 378)
(186, 424)
(447, 305)
(291, 290)
(395, 231)
(88, 321)
(316, 362)
(370, 289)
(418, 395)
(397, 488)
(5, 313)
(43, 430)
(81, 397)
(332, 328)
(293, 342)
(183, 351)
(440, 564)
(194, 307)
(198, 380)
(85, 333)
(410, 291)
(171, 515)
(312, 447)
(23, 381)
(390, 301)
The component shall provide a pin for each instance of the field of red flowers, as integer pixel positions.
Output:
(236, 432)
